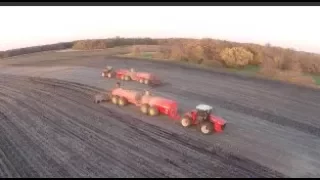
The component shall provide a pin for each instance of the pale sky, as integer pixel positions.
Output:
(294, 27)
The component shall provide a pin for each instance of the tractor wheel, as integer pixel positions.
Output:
(206, 128)
(115, 99)
(153, 111)
(141, 81)
(185, 122)
(127, 78)
(144, 108)
(146, 81)
(122, 101)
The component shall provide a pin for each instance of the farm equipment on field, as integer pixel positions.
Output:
(101, 97)
(154, 105)
(131, 75)
(105, 96)
(148, 104)
(203, 117)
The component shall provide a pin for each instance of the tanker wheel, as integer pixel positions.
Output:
(153, 111)
(127, 78)
(141, 81)
(115, 99)
(97, 101)
(206, 128)
(144, 108)
(146, 81)
(185, 122)
(122, 101)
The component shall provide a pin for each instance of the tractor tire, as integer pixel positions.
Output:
(127, 78)
(153, 111)
(122, 101)
(185, 122)
(115, 99)
(144, 108)
(146, 81)
(206, 128)
(141, 81)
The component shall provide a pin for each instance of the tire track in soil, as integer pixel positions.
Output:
(19, 128)
(123, 146)
(16, 157)
(58, 129)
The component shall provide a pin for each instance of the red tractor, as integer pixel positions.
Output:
(128, 75)
(203, 117)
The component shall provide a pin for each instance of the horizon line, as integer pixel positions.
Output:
(148, 37)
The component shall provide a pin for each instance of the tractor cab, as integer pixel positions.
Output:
(109, 69)
(203, 112)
